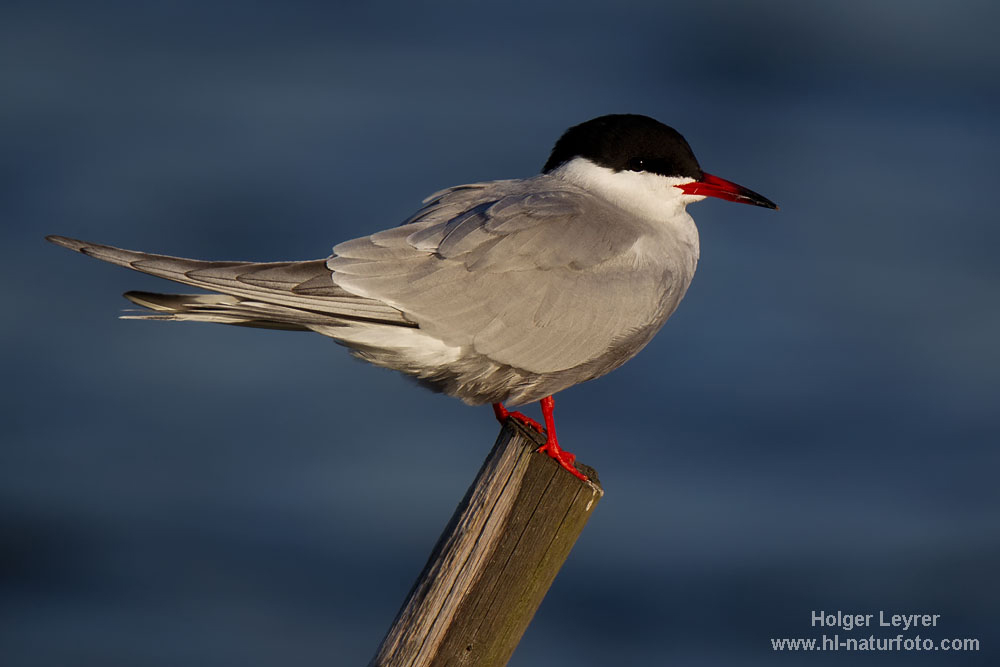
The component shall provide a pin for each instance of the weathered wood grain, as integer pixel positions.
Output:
(494, 562)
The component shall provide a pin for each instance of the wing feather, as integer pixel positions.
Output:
(490, 291)
(292, 285)
(541, 279)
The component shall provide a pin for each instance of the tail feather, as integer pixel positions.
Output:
(279, 295)
(221, 309)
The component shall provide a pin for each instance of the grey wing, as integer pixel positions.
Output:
(541, 279)
(284, 295)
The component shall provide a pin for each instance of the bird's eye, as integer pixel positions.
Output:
(636, 164)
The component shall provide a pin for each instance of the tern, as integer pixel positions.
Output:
(496, 292)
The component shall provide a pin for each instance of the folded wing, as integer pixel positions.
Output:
(542, 279)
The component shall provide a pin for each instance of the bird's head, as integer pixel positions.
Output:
(640, 162)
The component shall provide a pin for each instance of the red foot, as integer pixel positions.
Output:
(503, 414)
(551, 446)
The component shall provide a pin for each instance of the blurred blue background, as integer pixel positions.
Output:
(815, 429)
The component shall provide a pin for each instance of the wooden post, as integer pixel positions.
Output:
(495, 561)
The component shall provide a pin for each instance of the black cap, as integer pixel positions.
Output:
(627, 142)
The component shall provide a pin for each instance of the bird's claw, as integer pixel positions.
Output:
(527, 421)
(503, 414)
(563, 458)
(551, 446)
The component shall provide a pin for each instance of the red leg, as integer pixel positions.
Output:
(503, 414)
(551, 446)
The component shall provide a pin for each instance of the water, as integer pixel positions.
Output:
(815, 429)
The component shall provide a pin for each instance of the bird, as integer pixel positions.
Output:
(503, 292)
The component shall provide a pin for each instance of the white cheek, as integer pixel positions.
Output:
(650, 196)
